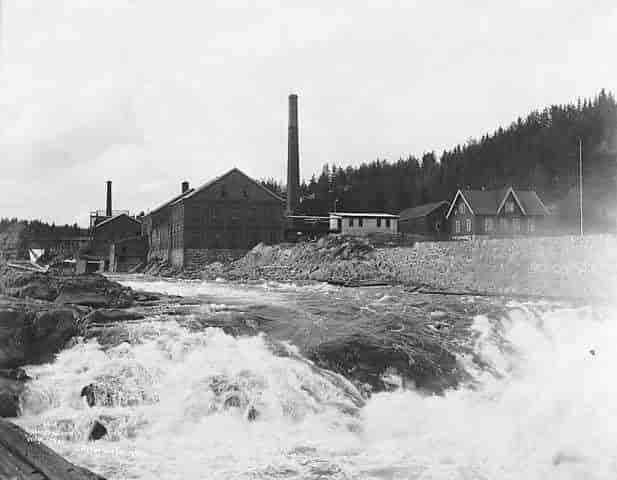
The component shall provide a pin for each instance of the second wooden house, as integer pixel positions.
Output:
(498, 213)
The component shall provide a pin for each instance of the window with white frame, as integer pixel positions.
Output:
(488, 224)
(461, 208)
(516, 224)
(457, 226)
(468, 224)
(531, 226)
(509, 206)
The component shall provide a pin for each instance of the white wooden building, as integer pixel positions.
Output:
(363, 223)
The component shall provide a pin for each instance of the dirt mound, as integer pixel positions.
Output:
(334, 257)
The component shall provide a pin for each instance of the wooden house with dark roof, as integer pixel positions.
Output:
(427, 220)
(231, 213)
(499, 213)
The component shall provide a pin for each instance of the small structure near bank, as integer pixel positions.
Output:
(127, 254)
(114, 229)
(88, 264)
(106, 228)
(428, 220)
(348, 223)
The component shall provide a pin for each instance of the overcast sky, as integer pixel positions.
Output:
(148, 93)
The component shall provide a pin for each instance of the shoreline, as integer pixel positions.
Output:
(551, 268)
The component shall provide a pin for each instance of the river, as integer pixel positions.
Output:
(511, 390)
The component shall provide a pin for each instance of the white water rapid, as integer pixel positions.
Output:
(182, 403)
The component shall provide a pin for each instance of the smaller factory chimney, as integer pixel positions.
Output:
(108, 206)
(185, 187)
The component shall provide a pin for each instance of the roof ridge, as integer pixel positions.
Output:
(107, 220)
(236, 169)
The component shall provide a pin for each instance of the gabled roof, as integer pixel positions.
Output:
(489, 202)
(459, 193)
(114, 218)
(510, 191)
(355, 214)
(172, 201)
(532, 203)
(212, 182)
(421, 210)
(192, 191)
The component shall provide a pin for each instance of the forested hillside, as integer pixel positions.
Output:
(539, 152)
(16, 234)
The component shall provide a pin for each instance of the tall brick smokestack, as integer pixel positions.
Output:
(293, 157)
(108, 206)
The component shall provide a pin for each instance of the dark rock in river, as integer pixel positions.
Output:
(92, 290)
(10, 392)
(88, 392)
(11, 388)
(252, 414)
(106, 315)
(32, 332)
(98, 431)
(365, 359)
(97, 395)
(14, 374)
(9, 404)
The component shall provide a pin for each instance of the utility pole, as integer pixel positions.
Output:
(580, 180)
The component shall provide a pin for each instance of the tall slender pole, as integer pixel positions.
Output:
(1, 29)
(580, 180)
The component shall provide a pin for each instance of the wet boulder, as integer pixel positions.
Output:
(32, 332)
(9, 405)
(14, 374)
(91, 290)
(252, 414)
(369, 360)
(94, 291)
(97, 394)
(10, 393)
(110, 315)
(97, 432)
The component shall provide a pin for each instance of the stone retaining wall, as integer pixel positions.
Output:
(568, 266)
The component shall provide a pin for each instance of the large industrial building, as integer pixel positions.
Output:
(232, 212)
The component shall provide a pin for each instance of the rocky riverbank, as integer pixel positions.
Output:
(549, 267)
(41, 312)
(333, 258)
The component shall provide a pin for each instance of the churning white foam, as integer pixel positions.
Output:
(544, 405)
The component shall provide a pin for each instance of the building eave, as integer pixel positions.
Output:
(503, 201)
(459, 192)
